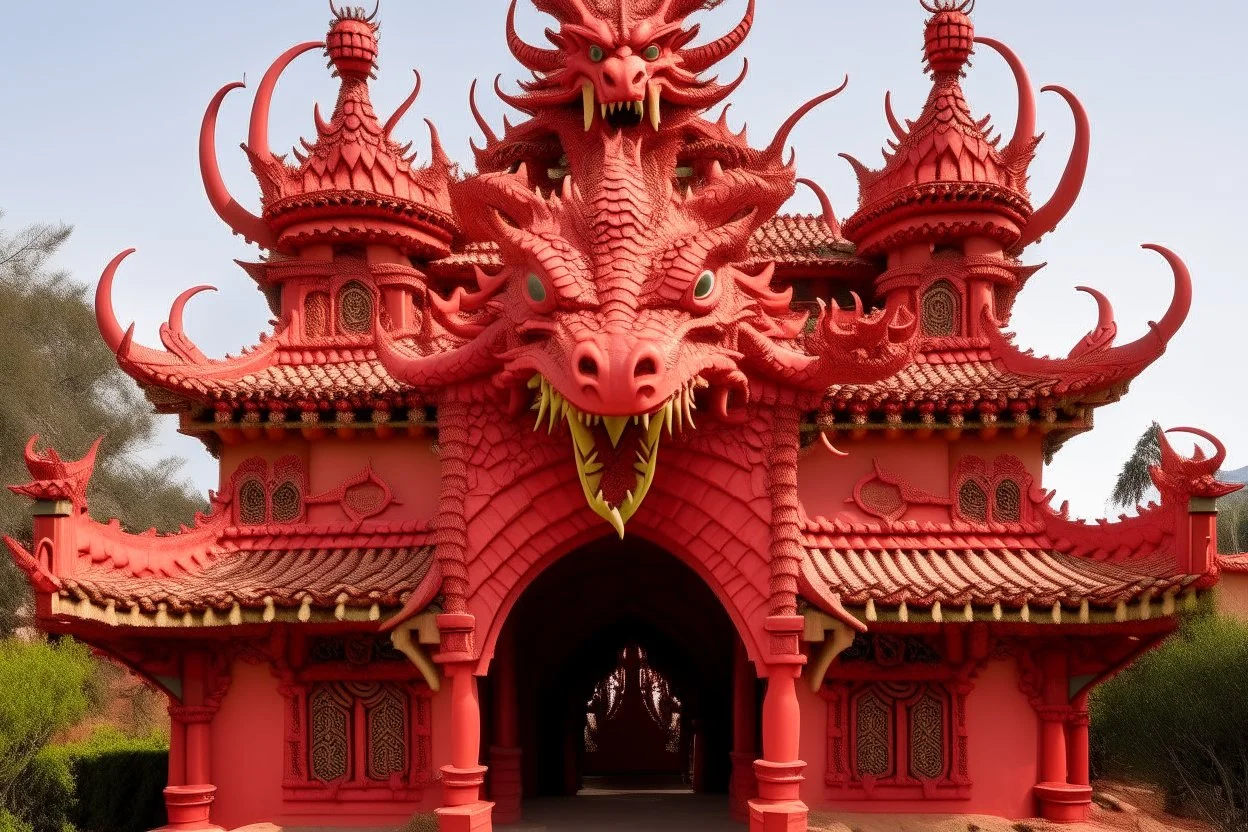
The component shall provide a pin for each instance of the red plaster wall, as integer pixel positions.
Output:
(247, 747)
(1002, 773)
(1232, 595)
(406, 464)
(825, 482)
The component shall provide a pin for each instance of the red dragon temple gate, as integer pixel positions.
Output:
(593, 461)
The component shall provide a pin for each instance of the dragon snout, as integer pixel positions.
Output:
(619, 380)
(624, 78)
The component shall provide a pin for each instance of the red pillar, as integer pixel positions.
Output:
(1078, 772)
(189, 795)
(1060, 799)
(744, 751)
(779, 806)
(462, 808)
(505, 781)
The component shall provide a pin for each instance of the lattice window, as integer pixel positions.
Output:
(330, 729)
(941, 314)
(287, 502)
(386, 718)
(973, 502)
(316, 315)
(1008, 506)
(355, 309)
(900, 738)
(927, 738)
(253, 504)
(874, 736)
(361, 733)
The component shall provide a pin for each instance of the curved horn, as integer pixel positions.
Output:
(179, 306)
(490, 136)
(105, 317)
(1210, 464)
(1025, 126)
(1103, 334)
(832, 449)
(893, 123)
(707, 96)
(532, 57)
(701, 58)
(258, 132)
(393, 121)
(239, 219)
(373, 16)
(829, 215)
(1046, 218)
(782, 135)
(1181, 302)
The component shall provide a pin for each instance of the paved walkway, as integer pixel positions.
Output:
(657, 811)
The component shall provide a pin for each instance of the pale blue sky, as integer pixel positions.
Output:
(103, 103)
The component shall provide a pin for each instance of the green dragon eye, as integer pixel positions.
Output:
(651, 53)
(596, 54)
(705, 285)
(536, 289)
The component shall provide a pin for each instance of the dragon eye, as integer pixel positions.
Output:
(535, 288)
(651, 53)
(705, 285)
(596, 54)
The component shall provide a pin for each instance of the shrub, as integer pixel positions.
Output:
(42, 692)
(11, 823)
(119, 781)
(1177, 717)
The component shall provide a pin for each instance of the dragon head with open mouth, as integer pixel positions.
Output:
(625, 309)
(622, 60)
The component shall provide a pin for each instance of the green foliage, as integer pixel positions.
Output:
(44, 793)
(1134, 480)
(1233, 523)
(1177, 717)
(62, 381)
(119, 779)
(11, 823)
(41, 693)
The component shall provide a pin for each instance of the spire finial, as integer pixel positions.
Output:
(949, 35)
(352, 40)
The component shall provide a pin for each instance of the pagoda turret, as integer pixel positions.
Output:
(355, 184)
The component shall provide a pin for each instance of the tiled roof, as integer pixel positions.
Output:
(789, 240)
(327, 577)
(954, 375)
(984, 577)
(1234, 563)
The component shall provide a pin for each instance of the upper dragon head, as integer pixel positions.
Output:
(622, 60)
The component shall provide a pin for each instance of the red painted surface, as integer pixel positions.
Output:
(583, 398)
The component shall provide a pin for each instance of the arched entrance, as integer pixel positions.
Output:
(623, 678)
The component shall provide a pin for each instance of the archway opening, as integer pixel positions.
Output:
(623, 676)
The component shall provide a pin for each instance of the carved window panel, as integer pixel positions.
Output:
(355, 309)
(316, 319)
(253, 503)
(1008, 502)
(358, 739)
(941, 313)
(897, 740)
(973, 502)
(287, 502)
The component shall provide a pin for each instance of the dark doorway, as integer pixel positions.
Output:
(624, 674)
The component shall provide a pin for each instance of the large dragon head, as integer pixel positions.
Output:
(624, 307)
(622, 60)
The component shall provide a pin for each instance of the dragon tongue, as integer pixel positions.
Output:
(615, 475)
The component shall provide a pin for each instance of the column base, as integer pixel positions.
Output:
(778, 816)
(475, 817)
(1064, 802)
(189, 809)
(505, 783)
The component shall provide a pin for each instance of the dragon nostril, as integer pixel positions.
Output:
(645, 367)
(645, 391)
(639, 77)
(587, 367)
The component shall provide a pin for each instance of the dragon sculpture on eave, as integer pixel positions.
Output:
(623, 307)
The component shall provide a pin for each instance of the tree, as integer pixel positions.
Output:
(1134, 480)
(61, 381)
